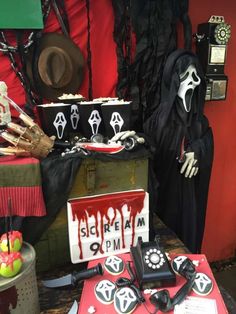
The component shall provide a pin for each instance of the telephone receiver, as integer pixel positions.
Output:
(162, 300)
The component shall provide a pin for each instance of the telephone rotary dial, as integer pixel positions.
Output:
(222, 33)
(154, 258)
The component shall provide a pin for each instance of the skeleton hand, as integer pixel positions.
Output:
(29, 140)
(189, 166)
(127, 138)
(121, 136)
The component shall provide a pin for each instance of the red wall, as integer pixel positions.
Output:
(220, 232)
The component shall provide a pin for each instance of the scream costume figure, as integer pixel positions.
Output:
(182, 136)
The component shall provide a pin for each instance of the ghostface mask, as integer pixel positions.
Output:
(95, 121)
(74, 116)
(188, 81)
(116, 122)
(60, 124)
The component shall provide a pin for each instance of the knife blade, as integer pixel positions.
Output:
(74, 308)
(72, 279)
(58, 282)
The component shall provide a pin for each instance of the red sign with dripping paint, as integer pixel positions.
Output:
(100, 225)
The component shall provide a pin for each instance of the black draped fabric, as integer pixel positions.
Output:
(181, 202)
(154, 24)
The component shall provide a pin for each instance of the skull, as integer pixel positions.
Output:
(74, 116)
(114, 263)
(125, 298)
(105, 290)
(94, 121)
(188, 81)
(116, 122)
(60, 124)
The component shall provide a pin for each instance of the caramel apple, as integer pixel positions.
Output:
(15, 241)
(10, 264)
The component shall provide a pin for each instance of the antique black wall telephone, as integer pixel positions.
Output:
(211, 47)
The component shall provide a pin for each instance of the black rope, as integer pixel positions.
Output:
(127, 46)
(61, 14)
(32, 99)
(89, 55)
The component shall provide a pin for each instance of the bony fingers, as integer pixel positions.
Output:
(184, 166)
(192, 172)
(140, 140)
(188, 171)
(117, 137)
(127, 134)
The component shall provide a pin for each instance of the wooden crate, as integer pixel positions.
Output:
(94, 177)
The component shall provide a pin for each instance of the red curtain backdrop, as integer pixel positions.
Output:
(220, 233)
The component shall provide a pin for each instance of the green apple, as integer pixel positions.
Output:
(15, 241)
(10, 264)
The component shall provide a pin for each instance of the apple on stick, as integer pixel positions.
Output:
(15, 241)
(10, 264)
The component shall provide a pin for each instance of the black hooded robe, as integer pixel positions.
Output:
(181, 202)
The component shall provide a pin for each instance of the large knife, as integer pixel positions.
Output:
(74, 278)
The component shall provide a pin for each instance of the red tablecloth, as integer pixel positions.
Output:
(88, 297)
(20, 182)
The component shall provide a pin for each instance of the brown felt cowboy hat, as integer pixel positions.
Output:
(57, 66)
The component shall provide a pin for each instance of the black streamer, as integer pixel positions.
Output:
(89, 55)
